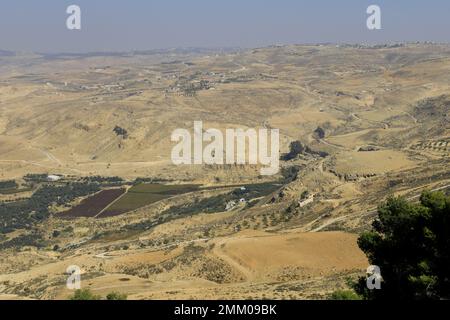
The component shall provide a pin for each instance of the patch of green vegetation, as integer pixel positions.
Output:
(24, 214)
(208, 205)
(36, 177)
(15, 191)
(106, 181)
(116, 296)
(163, 189)
(84, 295)
(133, 201)
(344, 295)
(410, 243)
(121, 132)
(11, 187)
(218, 203)
(145, 194)
(149, 180)
(33, 239)
(10, 184)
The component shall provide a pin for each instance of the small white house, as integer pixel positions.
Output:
(53, 178)
(305, 202)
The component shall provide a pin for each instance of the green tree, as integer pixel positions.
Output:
(84, 294)
(411, 245)
(295, 148)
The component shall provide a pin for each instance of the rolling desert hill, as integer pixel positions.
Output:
(368, 122)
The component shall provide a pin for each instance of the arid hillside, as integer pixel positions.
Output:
(357, 124)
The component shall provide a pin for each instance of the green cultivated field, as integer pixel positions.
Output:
(145, 194)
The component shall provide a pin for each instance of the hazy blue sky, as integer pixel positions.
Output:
(113, 25)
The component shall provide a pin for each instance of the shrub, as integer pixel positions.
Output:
(84, 294)
(344, 295)
(116, 296)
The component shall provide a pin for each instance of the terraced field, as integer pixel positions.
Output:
(441, 146)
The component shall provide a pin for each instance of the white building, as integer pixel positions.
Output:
(53, 178)
(307, 201)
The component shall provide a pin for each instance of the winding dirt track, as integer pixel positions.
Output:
(368, 213)
(220, 253)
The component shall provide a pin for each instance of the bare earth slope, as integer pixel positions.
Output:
(375, 121)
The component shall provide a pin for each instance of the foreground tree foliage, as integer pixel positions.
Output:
(411, 244)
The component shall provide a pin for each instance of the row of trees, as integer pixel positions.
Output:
(10, 184)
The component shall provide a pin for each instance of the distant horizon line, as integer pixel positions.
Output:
(214, 48)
